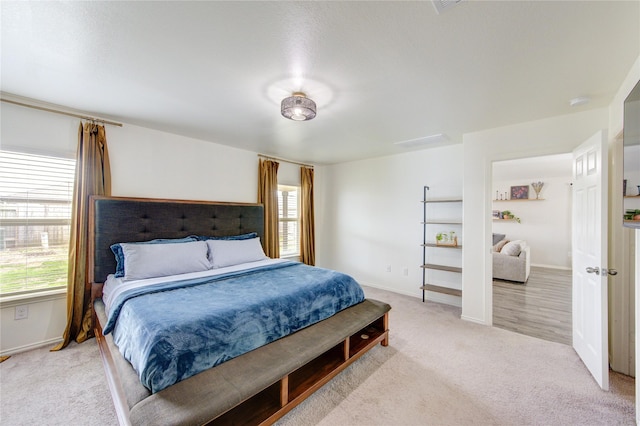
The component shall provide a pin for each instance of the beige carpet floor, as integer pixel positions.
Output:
(438, 370)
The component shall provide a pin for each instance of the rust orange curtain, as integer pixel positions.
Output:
(93, 177)
(268, 196)
(307, 221)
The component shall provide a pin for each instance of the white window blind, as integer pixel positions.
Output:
(289, 220)
(35, 215)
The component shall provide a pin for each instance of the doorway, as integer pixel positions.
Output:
(533, 296)
(547, 263)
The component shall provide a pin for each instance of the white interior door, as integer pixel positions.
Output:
(589, 241)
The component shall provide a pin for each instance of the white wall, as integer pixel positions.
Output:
(288, 174)
(37, 132)
(555, 135)
(545, 225)
(150, 163)
(144, 163)
(369, 214)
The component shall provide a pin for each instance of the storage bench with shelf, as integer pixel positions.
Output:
(256, 388)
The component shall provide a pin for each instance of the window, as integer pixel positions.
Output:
(35, 216)
(289, 220)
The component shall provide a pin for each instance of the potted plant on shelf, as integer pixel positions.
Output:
(632, 214)
(447, 239)
(507, 215)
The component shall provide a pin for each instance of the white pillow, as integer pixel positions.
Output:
(512, 248)
(233, 252)
(158, 260)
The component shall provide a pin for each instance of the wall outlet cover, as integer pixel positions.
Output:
(22, 312)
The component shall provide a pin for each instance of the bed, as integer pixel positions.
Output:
(270, 334)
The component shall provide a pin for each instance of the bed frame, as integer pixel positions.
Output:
(255, 388)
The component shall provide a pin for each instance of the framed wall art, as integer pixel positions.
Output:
(520, 192)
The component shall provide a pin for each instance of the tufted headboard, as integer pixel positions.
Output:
(119, 220)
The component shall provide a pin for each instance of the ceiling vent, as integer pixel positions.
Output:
(424, 142)
(444, 5)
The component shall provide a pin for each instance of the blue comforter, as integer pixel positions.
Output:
(172, 331)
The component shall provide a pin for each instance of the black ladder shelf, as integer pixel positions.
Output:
(425, 266)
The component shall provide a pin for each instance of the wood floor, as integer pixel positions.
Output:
(539, 308)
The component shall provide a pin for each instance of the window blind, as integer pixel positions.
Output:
(288, 215)
(35, 214)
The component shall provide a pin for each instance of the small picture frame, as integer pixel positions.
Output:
(520, 192)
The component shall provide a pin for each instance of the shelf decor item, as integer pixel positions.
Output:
(507, 215)
(633, 214)
(447, 239)
(520, 192)
(537, 186)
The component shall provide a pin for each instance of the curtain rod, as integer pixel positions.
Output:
(57, 111)
(285, 161)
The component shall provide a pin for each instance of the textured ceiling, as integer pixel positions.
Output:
(380, 72)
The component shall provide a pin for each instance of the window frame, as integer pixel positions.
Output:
(283, 221)
(14, 198)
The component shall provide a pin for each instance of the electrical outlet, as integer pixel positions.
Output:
(405, 272)
(388, 268)
(22, 312)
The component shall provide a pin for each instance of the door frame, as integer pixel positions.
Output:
(622, 307)
(621, 303)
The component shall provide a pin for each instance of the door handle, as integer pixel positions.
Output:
(604, 271)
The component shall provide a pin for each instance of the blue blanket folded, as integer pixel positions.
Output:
(172, 331)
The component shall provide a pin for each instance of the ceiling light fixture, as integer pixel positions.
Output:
(298, 107)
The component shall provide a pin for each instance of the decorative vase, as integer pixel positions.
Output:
(537, 186)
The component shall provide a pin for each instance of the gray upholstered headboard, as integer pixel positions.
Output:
(119, 220)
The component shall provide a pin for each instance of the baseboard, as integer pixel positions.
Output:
(432, 297)
(474, 320)
(17, 350)
(417, 294)
(562, 268)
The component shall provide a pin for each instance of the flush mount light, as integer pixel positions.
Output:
(298, 107)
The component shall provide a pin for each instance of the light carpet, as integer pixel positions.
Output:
(437, 370)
